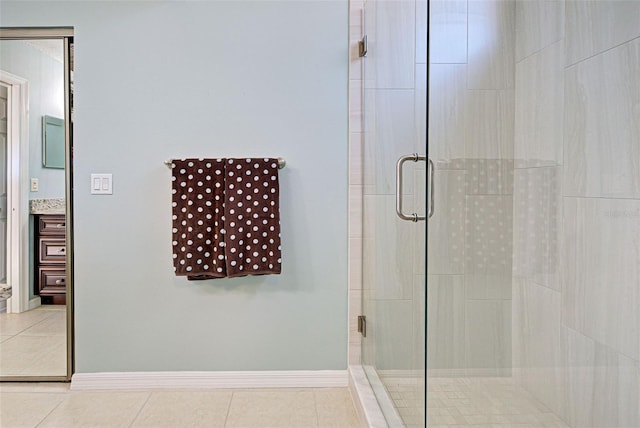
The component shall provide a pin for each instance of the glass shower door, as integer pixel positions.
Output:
(5, 288)
(394, 248)
(533, 267)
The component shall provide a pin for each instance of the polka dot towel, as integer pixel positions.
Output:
(226, 220)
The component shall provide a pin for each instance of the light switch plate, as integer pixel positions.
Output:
(101, 184)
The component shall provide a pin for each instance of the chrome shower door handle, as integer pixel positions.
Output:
(399, 167)
(432, 188)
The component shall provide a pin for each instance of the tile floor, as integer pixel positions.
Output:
(485, 402)
(53, 405)
(34, 343)
(408, 399)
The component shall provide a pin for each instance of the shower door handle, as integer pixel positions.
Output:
(415, 157)
(432, 189)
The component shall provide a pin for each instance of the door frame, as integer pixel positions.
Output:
(66, 35)
(18, 198)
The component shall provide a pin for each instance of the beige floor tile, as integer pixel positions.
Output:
(97, 409)
(335, 408)
(52, 308)
(34, 356)
(12, 324)
(273, 390)
(26, 409)
(321, 407)
(337, 417)
(3, 338)
(54, 325)
(333, 397)
(272, 409)
(57, 387)
(185, 409)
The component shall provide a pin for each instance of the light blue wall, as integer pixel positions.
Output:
(46, 97)
(156, 80)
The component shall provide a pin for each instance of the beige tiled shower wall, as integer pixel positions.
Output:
(534, 255)
(355, 177)
(576, 317)
(471, 140)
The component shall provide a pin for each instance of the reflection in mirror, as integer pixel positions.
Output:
(52, 142)
(33, 330)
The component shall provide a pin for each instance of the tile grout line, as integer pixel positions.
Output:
(22, 333)
(54, 409)
(34, 392)
(140, 409)
(226, 416)
(315, 407)
(32, 325)
(602, 197)
(594, 55)
(539, 50)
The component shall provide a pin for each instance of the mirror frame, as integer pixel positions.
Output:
(66, 35)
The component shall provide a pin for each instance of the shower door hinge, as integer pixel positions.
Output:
(362, 325)
(363, 47)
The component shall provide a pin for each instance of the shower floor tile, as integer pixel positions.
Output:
(485, 401)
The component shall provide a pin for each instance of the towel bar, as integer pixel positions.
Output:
(281, 163)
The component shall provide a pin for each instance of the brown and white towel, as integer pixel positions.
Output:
(198, 218)
(226, 219)
(252, 217)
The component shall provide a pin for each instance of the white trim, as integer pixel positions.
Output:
(34, 303)
(401, 375)
(18, 198)
(364, 399)
(437, 373)
(31, 305)
(383, 399)
(229, 379)
(475, 372)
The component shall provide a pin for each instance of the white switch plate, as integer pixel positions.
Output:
(101, 184)
(35, 184)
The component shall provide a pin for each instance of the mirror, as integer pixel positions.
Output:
(35, 142)
(52, 142)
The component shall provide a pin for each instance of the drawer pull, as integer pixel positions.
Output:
(60, 281)
(52, 250)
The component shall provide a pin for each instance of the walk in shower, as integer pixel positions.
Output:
(527, 311)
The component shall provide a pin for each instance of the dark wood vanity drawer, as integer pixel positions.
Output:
(50, 258)
(52, 280)
(51, 225)
(52, 250)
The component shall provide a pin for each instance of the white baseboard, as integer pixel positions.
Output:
(469, 372)
(401, 375)
(34, 303)
(188, 380)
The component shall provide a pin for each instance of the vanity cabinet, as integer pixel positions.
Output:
(50, 258)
